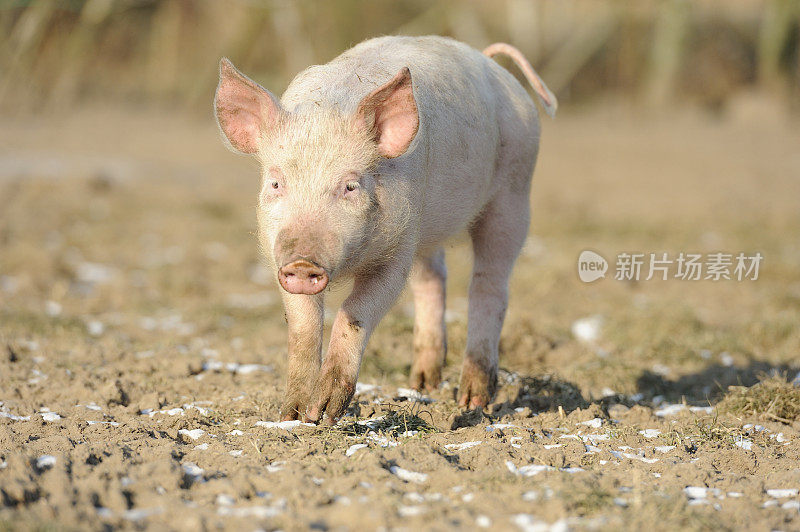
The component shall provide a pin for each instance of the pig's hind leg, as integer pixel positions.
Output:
(497, 238)
(428, 278)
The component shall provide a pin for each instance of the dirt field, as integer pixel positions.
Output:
(142, 343)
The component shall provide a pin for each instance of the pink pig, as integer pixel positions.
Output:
(370, 163)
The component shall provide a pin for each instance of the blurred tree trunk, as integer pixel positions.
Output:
(586, 41)
(78, 50)
(164, 50)
(25, 37)
(667, 53)
(774, 35)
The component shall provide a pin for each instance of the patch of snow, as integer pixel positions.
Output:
(236, 453)
(235, 432)
(650, 433)
(744, 444)
(664, 448)
(201, 447)
(112, 423)
(50, 416)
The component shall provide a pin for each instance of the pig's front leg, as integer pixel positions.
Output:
(373, 294)
(304, 317)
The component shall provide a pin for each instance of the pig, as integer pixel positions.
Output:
(370, 163)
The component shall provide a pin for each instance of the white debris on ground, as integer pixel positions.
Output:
(354, 448)
(782, 493)
(413, 395)
(650, 433)
(46, 461)
(49, 417)
(193, 434)
(364, 388)
(529, 523)
(669, 409)
(587, 330)
(235, 367)
(408, 476)
(177, 411)
(462, 446)
(192, 471)
(534, 469)
(285, 425)
(595, 423)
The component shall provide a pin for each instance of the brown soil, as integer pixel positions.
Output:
(143, 345)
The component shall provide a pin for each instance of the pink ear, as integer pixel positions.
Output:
(244, 108)
(390, 113)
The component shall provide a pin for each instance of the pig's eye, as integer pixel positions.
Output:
(352, 185)
(275, 185)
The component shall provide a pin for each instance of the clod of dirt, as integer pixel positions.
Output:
(470, 418)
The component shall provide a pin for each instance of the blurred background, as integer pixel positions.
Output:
(60, 53)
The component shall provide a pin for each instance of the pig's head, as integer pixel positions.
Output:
(319, 203)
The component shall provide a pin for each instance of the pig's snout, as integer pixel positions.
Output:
(303, 277)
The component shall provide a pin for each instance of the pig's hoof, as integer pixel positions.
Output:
(293, 409)
(478, 384)
(425, 375)
(332, 395)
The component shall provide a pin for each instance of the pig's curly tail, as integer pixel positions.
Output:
(547, 98)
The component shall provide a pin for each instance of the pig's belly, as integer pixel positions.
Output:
(452, 202)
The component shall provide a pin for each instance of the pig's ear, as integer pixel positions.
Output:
(245, 109)
(390, 114)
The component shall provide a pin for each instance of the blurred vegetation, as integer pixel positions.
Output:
(56, 53)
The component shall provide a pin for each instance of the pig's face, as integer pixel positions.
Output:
(318, 203)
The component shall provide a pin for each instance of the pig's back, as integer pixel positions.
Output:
(470, 110)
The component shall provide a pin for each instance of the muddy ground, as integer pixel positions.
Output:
(143, 343)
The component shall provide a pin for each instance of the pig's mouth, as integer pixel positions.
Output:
(303, 276)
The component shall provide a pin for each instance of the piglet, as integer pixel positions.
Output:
(369, 164)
